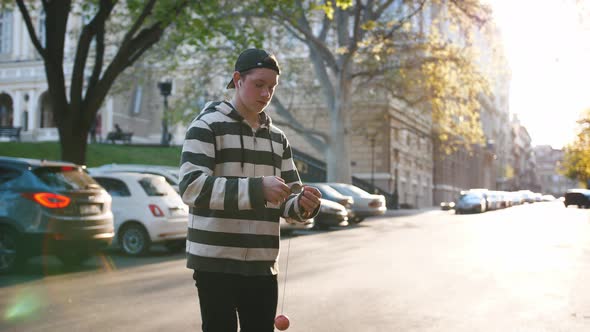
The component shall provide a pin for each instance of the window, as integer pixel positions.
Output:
(41, 29)
(65, 178)
(8, 174)
(155, 186)
(114, 187)
(137, 99)
(5, 32)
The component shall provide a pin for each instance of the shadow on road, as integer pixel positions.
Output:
(109, 260)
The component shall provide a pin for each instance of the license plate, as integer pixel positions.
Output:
(89, 209)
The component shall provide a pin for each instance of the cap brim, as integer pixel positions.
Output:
(231, 84)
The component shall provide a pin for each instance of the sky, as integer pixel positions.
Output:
(547, 43)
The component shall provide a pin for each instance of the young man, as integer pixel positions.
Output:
(237, 172)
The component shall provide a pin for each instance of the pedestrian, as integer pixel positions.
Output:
(236, 174)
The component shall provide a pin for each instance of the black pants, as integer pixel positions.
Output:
(221, 295)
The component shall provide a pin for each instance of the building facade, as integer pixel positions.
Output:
(549, 162)
(24, 100)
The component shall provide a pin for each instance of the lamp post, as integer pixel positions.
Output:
(395, 192)
(165, 89)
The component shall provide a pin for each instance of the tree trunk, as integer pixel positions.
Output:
(73, 134)
(338, 154)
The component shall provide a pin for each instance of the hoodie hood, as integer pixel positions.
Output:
(228, 109)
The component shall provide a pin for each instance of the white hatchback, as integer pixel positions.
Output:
(170, 173)
(146, 210)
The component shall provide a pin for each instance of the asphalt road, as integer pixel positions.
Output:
(525, 268)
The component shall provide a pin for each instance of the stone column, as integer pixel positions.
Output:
(17, 109)
(33, 108)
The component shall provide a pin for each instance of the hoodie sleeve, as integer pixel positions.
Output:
(199, 188)
(289, 173)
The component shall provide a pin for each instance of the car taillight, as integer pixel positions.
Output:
(49, 200)
(375, 203)
(156, 211)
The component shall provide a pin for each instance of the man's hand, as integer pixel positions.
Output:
(309, 200)
(275, 190)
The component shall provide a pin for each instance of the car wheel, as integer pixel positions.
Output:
(322, 227)
(73, 258)
(357, 220)
(10, 256)
(175, 245)
(134, 240)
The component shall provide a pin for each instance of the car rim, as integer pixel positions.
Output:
(133, 241)
(7, 251)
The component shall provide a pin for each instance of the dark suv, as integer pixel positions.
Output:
(50, 208)
(579, 197)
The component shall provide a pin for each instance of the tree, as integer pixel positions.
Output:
(112, 37)
(576, 164)
(378, 42)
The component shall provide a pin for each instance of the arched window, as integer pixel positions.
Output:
(6, 112)
(5, 32)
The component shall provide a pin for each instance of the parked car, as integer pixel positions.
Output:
(147, 210)
(333, 195)
(331, 214)
(50, 207)
(445, 206)
(170, 173)
(470, 201)
(365, 204)
(578, 197)
(288, 226)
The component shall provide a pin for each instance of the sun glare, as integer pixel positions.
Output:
(547, 44)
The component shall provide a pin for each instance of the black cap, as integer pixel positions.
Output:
(254, 58)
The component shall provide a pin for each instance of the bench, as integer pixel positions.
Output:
(123, 137)
(13, 133)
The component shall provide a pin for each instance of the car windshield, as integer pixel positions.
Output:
(351, 190)
(65, 178)
(326, 190)
(155, 186)
(465, 197)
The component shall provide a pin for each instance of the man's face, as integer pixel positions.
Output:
(256, 89)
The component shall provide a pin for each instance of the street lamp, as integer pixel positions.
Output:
(165, 90)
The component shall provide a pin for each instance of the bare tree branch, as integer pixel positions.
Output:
(147, 9)
(146, 39)
(30, 28)
(84, 42)
(467, 9)
(404, 20)
(304, 28)
(316, 138)
(98, 60)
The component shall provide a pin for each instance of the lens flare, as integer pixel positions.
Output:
(107, 263)
(24, 305)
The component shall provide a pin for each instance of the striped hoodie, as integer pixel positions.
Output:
(231, 228)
